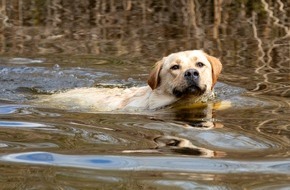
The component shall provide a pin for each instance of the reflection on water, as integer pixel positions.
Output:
(192, 148)
(53, 45)
(153, 163)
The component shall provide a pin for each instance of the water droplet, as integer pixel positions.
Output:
(56, 67)
(4, 71)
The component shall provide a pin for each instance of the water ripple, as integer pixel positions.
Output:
(11, 145)
(9, 109)
(20, 60)
(21, 124)
(234, 141)
(180, 164)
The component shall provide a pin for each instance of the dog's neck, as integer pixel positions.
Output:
(159, 99)
(146, 98)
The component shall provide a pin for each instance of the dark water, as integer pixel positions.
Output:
(49, 46)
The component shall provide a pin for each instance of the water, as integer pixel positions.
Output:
(64, 45)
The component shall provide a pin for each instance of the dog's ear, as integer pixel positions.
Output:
(154, 78)
(216, 66)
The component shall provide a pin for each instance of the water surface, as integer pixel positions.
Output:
(63, 45)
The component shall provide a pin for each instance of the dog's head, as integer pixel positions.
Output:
(185, 73)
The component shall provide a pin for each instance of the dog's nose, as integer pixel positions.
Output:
(191, 74)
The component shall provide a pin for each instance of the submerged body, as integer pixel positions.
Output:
(179, 76)
(109, 99)
(101, 99)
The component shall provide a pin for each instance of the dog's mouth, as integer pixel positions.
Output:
(193, 90)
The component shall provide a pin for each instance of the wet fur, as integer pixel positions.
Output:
(165, 86)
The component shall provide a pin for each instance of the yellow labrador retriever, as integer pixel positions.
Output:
(179, 76)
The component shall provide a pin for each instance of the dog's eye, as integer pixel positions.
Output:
(199, 64)
(175, 67)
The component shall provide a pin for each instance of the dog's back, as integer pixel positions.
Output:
(98, 99)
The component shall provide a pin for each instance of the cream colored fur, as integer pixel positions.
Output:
(163, 81)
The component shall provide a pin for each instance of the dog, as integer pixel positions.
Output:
(187, 75)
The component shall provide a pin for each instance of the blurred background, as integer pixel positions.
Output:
(147, 27)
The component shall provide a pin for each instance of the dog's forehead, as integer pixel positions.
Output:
(194, 55)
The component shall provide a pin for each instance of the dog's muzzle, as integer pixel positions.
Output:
(193, 88)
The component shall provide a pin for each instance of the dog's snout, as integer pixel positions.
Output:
(191, 74)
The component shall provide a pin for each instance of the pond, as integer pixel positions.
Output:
(50, 46)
